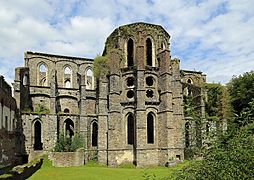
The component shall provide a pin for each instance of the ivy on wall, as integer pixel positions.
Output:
(100, 66)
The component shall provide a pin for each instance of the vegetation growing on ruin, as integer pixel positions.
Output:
(100, 66)
(228, 158)
(217, 104)
(41, 109)
(231, 154)
(68, 144)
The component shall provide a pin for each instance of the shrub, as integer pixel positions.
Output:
(67, 144)
(77, 142)
(100, 66)
(60, 144)
(41, 109)
(231, 159)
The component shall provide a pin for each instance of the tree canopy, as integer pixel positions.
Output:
(241, 90)
(100, 66)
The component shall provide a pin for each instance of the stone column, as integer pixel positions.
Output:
(1, 115)
(140, 112)
(83, 117)
(115, 136)
(178, 117)
(165, 114)
(53, 89)
(103, 121)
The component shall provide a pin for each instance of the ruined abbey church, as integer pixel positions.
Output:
(132, 115)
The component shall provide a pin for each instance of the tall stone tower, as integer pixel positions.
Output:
(140, 103)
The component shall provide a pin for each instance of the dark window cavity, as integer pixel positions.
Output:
(69, 128)
(187, 134)
(130, 129)
(149, 81)
(130, 81)
(94, 134)
(149, 93)
(37, 136)
(150, 128)
(130, 53)
(66, 110)
(130, 94)
(149, 53)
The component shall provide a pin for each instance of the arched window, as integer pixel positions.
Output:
(25, 80)
(42, 76)
(189, 81)
(66, 110)
(89, 79)
(94, 134)
(43, 68)
(2, 115)
(187, 134)
(37, 136)
(67, 70)
(67, 77)
(67, 83)
(150, 128)
(149, 52)
(130, 129)
(162, 46)
(13, 124)
(69, 128)
(6, 123)
(130, 46)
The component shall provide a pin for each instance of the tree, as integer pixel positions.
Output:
(100, 66)
(241, 90)
(232, 155)
(217, 107)
(233, 160)
(193, 128)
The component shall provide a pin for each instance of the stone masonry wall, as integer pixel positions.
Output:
(67, 159)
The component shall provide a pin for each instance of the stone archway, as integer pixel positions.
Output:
(94, 133)
(37, 136)
(150, 128)
(69, 128)
(130, 129)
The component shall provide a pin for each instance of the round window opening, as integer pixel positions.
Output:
(130, 81)
(130, 94)
(149, 93)
(149, 81)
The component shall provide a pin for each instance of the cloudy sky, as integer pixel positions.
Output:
(213, 36)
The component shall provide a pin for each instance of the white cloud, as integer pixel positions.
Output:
(213, 36)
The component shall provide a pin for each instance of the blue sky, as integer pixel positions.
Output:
(213, 36)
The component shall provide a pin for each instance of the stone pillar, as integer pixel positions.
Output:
(20, 90)
(115, 136)
(178, 117)
(53, 89)
(83, 117)
(103, 121)
(140, 112)
(166, 123)
(16, 86)
(49, 134)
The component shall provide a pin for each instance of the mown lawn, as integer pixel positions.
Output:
(94, 171)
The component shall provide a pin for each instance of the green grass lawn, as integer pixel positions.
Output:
(94, 171)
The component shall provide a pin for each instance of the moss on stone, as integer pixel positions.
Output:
(100, 66)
